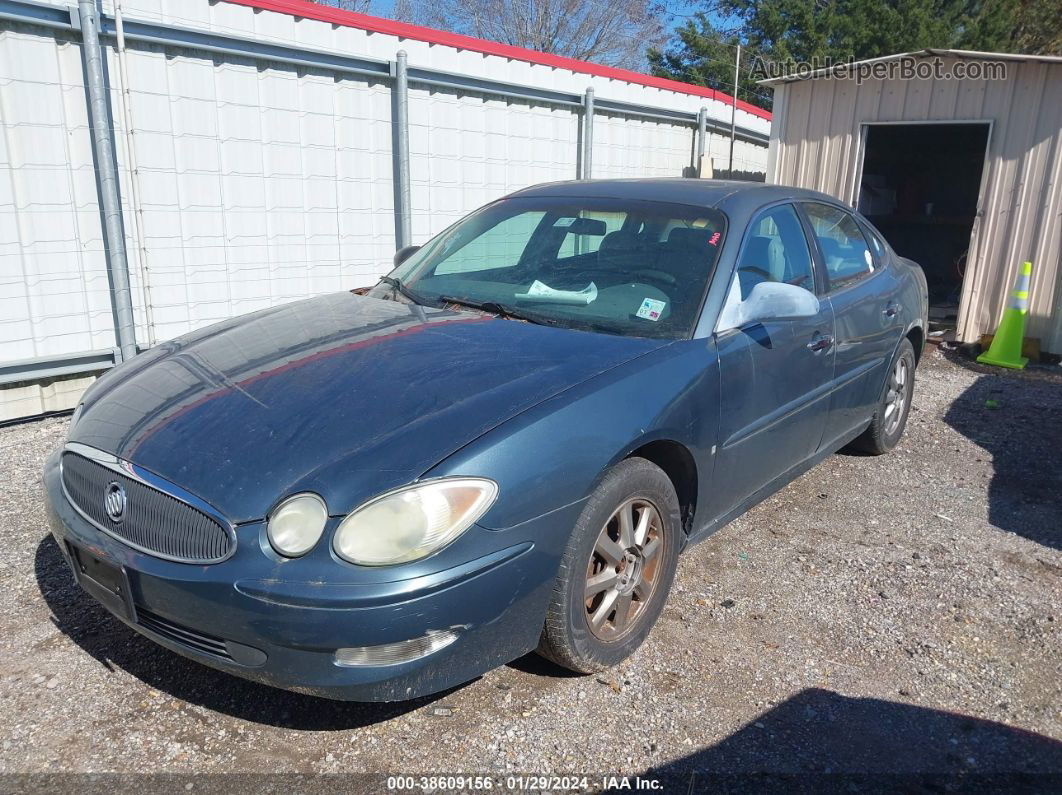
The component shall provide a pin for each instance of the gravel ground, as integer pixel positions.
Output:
(880, 615)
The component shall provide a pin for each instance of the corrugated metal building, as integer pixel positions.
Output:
(256, 144)
(961, 168)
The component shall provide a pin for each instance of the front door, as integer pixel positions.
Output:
(774, 376)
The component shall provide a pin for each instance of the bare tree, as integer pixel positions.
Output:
(610, 32)
(361, 6)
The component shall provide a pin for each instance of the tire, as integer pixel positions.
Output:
(886, 428)
(588, 634)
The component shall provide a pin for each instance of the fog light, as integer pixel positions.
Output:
(395, 653)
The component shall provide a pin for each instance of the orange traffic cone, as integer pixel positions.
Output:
(1005, 350)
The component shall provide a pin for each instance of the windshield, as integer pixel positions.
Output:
(637, 268)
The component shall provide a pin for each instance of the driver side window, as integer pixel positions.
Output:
(776, 250)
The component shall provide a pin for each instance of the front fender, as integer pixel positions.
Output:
(554, 454)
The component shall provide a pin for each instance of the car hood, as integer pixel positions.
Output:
(342, 395)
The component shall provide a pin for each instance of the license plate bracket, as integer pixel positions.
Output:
(105, 581)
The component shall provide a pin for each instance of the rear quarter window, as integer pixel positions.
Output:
(877, 244)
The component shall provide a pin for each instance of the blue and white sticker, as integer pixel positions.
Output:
(651, 309)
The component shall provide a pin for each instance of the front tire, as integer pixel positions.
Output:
(616, 571)
(890, 418)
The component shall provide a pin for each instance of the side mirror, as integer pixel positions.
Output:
(404, 253)
(770, 301)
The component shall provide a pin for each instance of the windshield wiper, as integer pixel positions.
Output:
(402, 289)
(496, 309)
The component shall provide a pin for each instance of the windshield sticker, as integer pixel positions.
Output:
(651, 309)
(714, 239)
(564, 222)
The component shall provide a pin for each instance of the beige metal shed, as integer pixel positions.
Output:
(960, 167)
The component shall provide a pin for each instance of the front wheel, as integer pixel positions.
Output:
(890, 418)
(616, 571)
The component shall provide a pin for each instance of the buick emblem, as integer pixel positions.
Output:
(114, 501)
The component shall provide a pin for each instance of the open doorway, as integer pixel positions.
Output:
(919, 186)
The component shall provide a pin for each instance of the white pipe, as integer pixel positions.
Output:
(134, 176)
(733, 109)
(403, 205)
(107, 178)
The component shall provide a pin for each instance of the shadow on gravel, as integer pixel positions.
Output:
(822, 741)
(541, 667)
(114, 645)
(1016, 420)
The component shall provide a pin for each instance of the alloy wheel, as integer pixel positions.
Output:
(623, 570)
(897, 395)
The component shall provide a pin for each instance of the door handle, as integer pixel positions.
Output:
(820, 343)
(892, 310)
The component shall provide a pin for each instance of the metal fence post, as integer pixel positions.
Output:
(107, 179)
(702, 137)
(733, 110)
(400, 152)
(586, 169)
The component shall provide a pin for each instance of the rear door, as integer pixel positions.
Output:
(864, 294)
(774, 375)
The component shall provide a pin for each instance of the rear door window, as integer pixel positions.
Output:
(844, 247)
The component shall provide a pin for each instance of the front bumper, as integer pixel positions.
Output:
(247, 616)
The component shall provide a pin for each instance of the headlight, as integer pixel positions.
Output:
(413, 522)
(296, 524)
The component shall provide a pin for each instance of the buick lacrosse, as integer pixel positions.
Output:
(501, 447)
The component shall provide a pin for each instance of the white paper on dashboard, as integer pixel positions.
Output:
(543, 292)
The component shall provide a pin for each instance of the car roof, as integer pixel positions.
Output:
(724, 194)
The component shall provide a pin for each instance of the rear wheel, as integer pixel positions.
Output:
(616, 571)
(890, 418)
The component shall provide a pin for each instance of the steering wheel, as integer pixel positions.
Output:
(660, 277)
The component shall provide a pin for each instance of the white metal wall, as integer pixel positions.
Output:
(54, 292)
(257, 186)
(626, 147)
(247, 183)
(467, 150)
(281, 28)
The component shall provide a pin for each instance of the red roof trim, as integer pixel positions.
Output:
(307, 10)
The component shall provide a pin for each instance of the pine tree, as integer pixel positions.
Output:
(831, 31)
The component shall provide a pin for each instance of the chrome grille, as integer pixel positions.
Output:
(153, 522)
